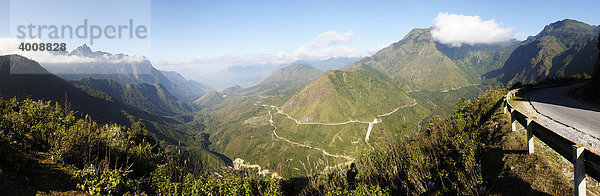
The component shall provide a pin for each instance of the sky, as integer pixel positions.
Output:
(195, 37)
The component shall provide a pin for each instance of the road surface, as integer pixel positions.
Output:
(558, 105)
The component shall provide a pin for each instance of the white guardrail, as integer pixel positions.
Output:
(583, 160)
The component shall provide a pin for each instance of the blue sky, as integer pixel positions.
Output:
(202, 35)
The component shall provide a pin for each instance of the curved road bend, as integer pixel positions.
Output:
(557, 104)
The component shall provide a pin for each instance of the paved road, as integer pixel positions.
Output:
(555, 103)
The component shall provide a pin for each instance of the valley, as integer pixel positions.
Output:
(419, 113)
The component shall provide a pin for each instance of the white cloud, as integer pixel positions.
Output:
(10, 45)
(455, 30)
(329, 38)
(123, 59)
(325, 45)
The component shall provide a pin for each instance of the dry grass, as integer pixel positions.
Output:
(511, 171)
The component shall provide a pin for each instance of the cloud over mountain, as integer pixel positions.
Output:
(325, 45)
(455, 30)
(9, 45)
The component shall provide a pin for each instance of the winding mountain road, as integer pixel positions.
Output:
(557, 105)
(371, 123)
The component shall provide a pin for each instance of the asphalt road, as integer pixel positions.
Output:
(555, 103)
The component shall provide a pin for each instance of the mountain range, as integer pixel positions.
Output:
(418, 75)
(286, 80)
(561, 49)
(45, 86)
(153, 98)
(125, 69)
(296, 111)
(345, 95)
(414, 63)
(250, 75)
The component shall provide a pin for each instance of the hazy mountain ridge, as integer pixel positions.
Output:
(210, 98)
(333, 63)
(123, 69)
(287, 80)
(194, 88)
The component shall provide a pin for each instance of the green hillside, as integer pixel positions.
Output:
(125, 72)
(234, 90)
(479, 59)
(339, 96)
(414, 63)
(152, 98)
(287, 80)
(95, 103)
(210, 98)
(193, 88)
(562, 49)
(45, 86)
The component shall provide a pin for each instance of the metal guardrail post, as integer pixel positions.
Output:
(505, 105)
(579, 170)
(513, 120)
(558, 143)
(530, 146)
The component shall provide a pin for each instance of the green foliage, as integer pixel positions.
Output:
(343, 95)
(414, 63)
(109, 158)
(285, 81)
(442, 160)
(116, 160)
(152, 98)
(562, 49)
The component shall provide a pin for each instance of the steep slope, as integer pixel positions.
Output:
(210, 98)
(333, 63)
(414, 63)
(479, 59)
(234, 90)
(45, 86)
(152, 98)
(339, 96)
(562, 49)
(286, 80)
(122, 68)
(195, 89)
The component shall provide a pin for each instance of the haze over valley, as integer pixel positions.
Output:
(338, 112)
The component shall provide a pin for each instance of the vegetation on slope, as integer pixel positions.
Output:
(124, 72)
(470, 152)
(210, 99)
(285, 81)
(480, 59)
(562, 49)
(593, 89)
(340, 96)
(194, 88)
(45, 86)
(152, 98)
(414, 63)
(80, 155)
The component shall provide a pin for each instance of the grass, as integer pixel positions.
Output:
(340, 96)
(472, 151)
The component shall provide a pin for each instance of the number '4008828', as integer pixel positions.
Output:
(42, 46)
